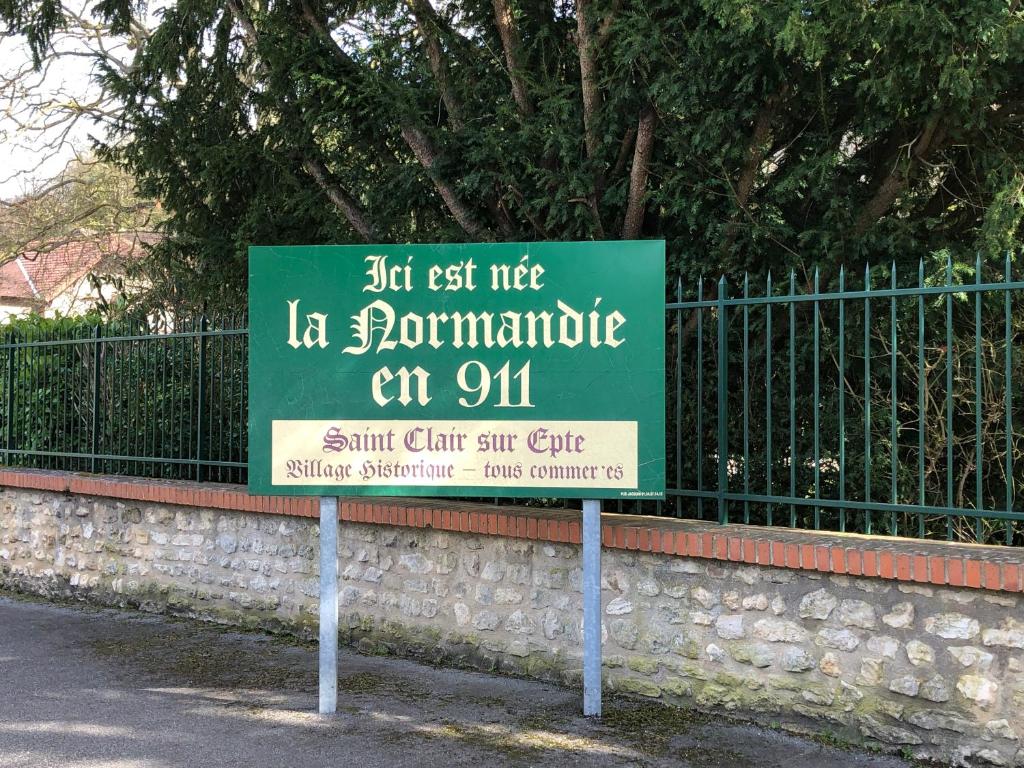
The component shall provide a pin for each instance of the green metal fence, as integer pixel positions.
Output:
(868, 407)
(837, 402)
(125, 399)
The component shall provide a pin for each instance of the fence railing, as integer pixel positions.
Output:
(868, 408)
(124, 399)
(829, 401)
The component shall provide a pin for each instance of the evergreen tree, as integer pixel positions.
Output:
(749, 135)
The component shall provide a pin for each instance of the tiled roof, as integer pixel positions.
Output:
(40, 276)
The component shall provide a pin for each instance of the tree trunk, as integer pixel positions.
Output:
(932, 136)
(426, 22)
(510, 45)
(425, 152)
(341, 199)
(633, 224)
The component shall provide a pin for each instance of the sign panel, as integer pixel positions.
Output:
(508, 369)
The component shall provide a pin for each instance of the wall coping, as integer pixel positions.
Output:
(940, 563)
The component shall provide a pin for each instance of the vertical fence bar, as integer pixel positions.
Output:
(949, 398)
(97, 349)
(867, 398)
(842, 397)
(768, 397)
(979, 499)
(723, 398)
(23, 402)
(70, 388)
(159, 439)
(220, 403)
(53, 374)
(700, 397)
(191, 390)
(746, 399)
(61, 387)
(792, 398)
(1008, 385)
(43, 385)
(114, 439)
(139, 396)
(679, 397)
(228, 400)
(243, 427)
(9, 396)
(817, 401)
(921, 385)
(19, 364)
(893, 416)
(201, 399)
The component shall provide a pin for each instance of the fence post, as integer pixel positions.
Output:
(201, 397)
(9, 437)
(723, 401)
(97, 346)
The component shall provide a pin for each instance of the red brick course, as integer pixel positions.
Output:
(910, 560)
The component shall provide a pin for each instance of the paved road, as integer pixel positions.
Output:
(87, 688)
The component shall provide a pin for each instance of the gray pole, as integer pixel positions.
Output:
(328, 605)
(592, 608)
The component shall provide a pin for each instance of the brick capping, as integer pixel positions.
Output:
(910, 560)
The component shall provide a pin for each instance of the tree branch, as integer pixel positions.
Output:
(341, 199)
(624, 151)
(591, 105)
(421, 146)
(588, 79)
(248, 28)
(932, 136)
(604, 30)
(427, 23)
(756, 149)
(510, 45)
(633, 223)
(425, 152)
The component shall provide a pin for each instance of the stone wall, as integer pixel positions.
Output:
(935, 671)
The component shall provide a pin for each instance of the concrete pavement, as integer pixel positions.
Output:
(90, 688)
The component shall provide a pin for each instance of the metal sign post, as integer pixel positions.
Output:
(328, 605)
(592, 608)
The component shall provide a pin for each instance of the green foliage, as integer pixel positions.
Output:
(787, 133)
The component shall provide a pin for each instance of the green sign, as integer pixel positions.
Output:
(511, 369)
